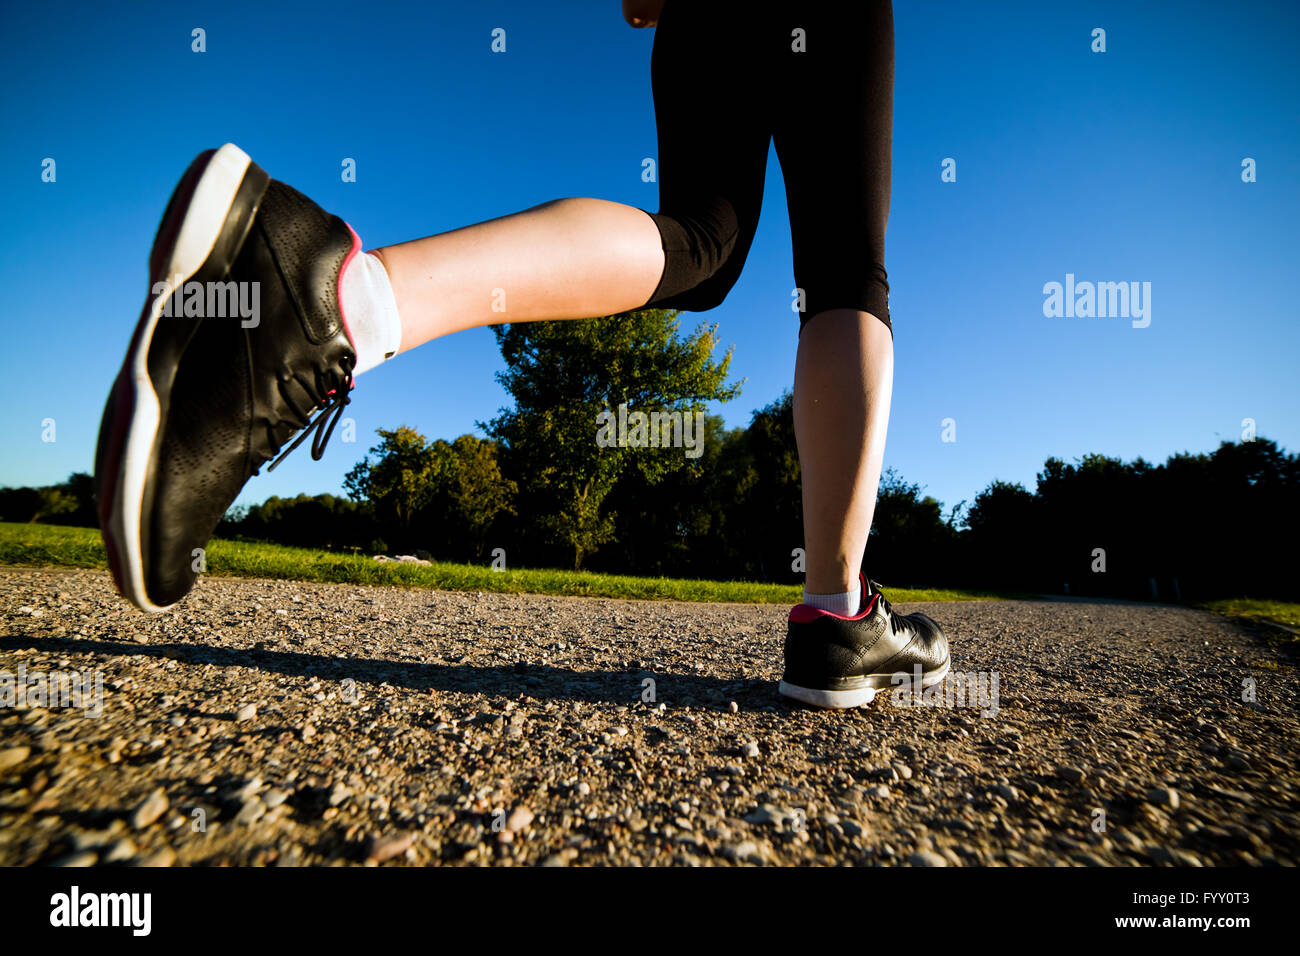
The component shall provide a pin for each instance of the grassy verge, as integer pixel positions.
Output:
(37, 545)
(1278, 612)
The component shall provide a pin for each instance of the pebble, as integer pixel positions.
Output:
(1163, 796)
(252, 811)
(519, 819)
(247, 712)
(766, 814)
(750, 749)
(386, 847)
(926, 858)
(122, 850)
(164, 857)
(11, 757)
(150, 809)
(1071, 774)
(744, 851)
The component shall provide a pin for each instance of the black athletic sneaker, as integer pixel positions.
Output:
(241, 338)
(835, 661)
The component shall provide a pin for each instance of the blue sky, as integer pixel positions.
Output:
(1115, 166)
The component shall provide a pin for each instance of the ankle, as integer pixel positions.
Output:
(844, 603)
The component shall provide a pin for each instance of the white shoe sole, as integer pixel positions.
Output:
(859, 696)
(204, 218)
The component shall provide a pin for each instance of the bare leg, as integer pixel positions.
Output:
(566, 259)
(843, 378)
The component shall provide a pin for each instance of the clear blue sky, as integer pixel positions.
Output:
(1119, 166)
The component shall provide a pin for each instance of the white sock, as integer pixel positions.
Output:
(370, 311)
(845, 605)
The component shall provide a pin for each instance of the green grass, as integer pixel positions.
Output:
(38, 545)
(1279, 612)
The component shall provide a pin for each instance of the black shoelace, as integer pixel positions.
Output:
(322, 426)
(895, 619)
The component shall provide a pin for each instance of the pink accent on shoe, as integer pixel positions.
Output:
(338, 292)
(806, 613)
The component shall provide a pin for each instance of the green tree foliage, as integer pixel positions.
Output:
(308, 521)
(562, 375)
(441, 497)
(910, 541)
(400, 481)
(470, 495)
(71, 503)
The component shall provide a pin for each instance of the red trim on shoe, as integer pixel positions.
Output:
(338, 292)
(806, 613)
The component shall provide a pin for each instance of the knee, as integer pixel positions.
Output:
(699, 249)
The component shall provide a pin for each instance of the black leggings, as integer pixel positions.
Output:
(727, 79)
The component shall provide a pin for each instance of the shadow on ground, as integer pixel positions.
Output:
(538, 681)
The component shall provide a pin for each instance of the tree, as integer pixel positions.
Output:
(1000, 541)
(472, 492)
(910, 542)
(563, 376)
(401, 481)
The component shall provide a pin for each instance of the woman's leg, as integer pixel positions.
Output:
(567, 259)
(843, 378)
(836, 162)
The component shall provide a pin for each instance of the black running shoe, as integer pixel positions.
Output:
(241, 338)
(833, 661)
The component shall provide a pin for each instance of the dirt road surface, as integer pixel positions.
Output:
(280, 723)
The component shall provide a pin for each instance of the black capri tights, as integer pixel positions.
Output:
(818, 77)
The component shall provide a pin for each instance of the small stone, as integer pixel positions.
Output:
(84, 858)
(338, 794)
(11, 757)
(746, 850)
(750, 749)
(880, 792)
(926, 858)
(150, 809)
(733, 707)
(766, 814)
(274, 797)
(1006, 792)
(519, 819)
(247, 712)
(124, 849)
(1163, 796)
(386, 847)
(584, 789)
(252, 811)
(164, 857)
(1071, 774)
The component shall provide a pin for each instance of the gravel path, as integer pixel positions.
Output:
(283, 723)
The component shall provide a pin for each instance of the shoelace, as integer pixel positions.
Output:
(895, 619)
(331, 408)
